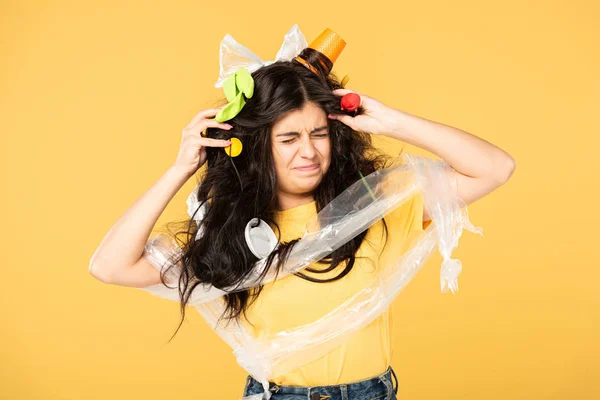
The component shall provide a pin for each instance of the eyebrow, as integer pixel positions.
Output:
(297, 133)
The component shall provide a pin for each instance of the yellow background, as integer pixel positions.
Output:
(93, 100)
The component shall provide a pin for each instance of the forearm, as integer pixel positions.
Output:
(466, 153)
(124, 243)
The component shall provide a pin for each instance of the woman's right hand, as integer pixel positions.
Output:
(192, 152)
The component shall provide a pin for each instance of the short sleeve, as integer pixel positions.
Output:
(163, 253)
(418, 210)
(408, 216)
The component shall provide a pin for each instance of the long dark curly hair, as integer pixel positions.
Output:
(220, 257)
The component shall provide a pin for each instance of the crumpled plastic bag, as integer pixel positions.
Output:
(353, 211)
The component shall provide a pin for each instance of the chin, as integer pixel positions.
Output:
(309, 188)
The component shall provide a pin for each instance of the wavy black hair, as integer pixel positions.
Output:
(221, 257)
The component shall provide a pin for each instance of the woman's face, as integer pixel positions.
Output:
(300, 139)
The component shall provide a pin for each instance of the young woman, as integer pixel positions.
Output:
(299, 152)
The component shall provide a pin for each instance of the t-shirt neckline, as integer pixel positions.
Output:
(299, 212)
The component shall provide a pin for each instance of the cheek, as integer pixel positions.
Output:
(287, 154)
(282, 158)
(325, 151)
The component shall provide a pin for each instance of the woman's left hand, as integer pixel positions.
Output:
(376, 119)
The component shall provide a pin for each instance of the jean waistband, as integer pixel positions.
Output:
(328, 391)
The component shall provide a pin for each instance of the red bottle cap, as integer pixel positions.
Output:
(350, 102)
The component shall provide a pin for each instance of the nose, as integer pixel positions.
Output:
(307, 148)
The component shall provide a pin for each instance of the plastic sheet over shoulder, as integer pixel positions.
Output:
(356, 209)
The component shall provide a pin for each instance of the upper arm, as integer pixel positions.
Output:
(139, 275)
(470, 189)
(161, 253)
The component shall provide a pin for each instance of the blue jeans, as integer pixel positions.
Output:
(378, 387)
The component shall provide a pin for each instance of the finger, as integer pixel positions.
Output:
(209, 142)
(346, 119)
(209, 112)
(341, 92)
(207, 123)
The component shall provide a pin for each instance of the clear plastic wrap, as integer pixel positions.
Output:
(234, 56)
(356, 209)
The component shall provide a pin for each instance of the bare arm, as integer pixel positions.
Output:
(479, 166)
(119, 259)
(124, 243)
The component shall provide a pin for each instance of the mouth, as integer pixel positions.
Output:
(310, 167)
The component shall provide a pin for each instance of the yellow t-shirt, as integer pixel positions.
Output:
(292, 301)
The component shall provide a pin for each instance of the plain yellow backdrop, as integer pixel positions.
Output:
(94, 96)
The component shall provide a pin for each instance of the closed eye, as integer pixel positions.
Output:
(291, 140)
